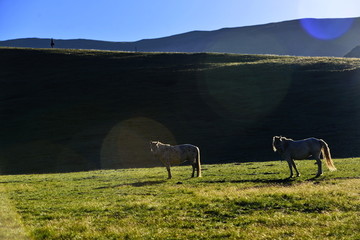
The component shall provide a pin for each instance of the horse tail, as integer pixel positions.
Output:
(198, 163)
(326, 154)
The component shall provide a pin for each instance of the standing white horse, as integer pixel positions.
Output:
(175, 155)
(301, 149)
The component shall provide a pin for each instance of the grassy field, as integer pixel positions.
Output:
(230, 201)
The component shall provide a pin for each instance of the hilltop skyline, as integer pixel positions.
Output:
(139, 19)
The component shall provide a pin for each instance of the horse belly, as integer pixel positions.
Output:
(175, 161)
(174, 158)
(300, 157)
(299, 153)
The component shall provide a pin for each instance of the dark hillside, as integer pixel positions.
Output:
(71, 110)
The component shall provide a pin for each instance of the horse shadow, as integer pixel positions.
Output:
(285, 181)
(147, 183)
(135, 184)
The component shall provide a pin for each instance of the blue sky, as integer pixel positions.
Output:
(131, 20)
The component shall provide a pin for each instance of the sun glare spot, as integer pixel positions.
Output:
(326, 29)
(241, 93)
(127, 143)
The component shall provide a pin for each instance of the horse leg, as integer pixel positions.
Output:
(290, 167)
(193, 168)
(318, 162)
(165, 161)
(294, 166)
(168, 170)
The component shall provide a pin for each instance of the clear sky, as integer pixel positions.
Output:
(131, 20)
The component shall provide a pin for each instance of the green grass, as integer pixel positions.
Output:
(233, 201)
(10, 222)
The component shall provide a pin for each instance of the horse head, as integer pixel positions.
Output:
(280, 143)
(154, 145)
(277, 144)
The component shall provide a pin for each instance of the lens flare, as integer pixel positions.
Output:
(244, 93)
(127, 143)
(326, 29)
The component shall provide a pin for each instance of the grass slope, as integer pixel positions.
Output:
(70, 110)
(233, 201)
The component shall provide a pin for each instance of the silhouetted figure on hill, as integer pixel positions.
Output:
(52, 43)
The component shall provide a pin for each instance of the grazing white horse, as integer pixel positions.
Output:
(175, 155)
(301, 149)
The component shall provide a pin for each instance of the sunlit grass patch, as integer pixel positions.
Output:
(11, 226)
(235, 201)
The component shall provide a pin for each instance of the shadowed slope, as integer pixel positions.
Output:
(70, 110)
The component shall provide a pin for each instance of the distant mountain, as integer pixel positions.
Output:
(354, 53)
(283, 38)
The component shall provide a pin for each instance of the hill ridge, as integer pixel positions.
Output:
(285, 38)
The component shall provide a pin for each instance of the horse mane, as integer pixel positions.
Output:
(160, 143)
(285, 138)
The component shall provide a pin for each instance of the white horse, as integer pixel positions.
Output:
(175, 155)
(301, 149)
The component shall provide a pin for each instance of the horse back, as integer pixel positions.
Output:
(179, 153)
(304, 148)
(187, 151)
